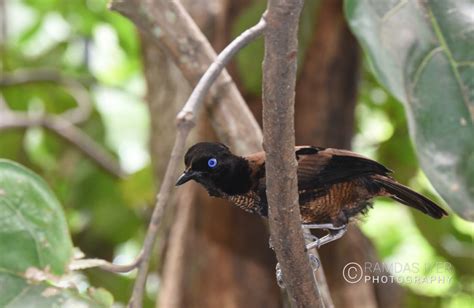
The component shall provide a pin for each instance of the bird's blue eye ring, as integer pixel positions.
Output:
(212, 162)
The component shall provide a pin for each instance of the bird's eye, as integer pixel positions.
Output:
(212, 163)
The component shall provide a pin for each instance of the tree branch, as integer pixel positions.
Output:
(80, 94)
(321, 281)
(64, 129)
(279, 77)
(210, 76)
(185, 121)
(81, 264)
(166, 23)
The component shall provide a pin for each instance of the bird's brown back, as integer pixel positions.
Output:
(335, 185)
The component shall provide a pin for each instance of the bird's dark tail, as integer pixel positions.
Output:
(409, 197)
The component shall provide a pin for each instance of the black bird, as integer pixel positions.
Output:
(334, 185)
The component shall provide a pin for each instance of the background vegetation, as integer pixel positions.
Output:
(107, 216)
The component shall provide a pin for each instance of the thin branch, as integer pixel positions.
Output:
(184, 127)
(61, 124)
(167, 24)
(279, 77)
(201, 89)
(105, 265)
(170, 295)
(80, 94)
(321, 281)
(67, 131)
(185, 121)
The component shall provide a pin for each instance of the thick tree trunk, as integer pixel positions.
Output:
(325, 101)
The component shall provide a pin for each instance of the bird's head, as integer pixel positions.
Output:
(213, 166)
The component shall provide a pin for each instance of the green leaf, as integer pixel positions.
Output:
(33, 230)
(35, 245)
(421, 51)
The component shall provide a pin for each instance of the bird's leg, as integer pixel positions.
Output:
(322, 226)
(313, 260)
(335, 232)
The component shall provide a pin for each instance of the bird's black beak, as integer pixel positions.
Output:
(185, 177)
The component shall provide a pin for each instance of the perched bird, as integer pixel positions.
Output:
(334, 185)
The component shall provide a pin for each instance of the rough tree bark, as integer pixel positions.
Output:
(325, 100)
(279, 78)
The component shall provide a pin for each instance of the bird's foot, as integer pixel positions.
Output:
(312, 241)
(279, 276)
(334, 234)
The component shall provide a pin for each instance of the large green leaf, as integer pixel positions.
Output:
(423, 52)
(35, 245)
(33, 230)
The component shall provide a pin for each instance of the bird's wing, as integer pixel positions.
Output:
(320, 167)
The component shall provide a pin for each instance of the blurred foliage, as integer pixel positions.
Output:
(250, 58)
(107, 216)
(423, 54)
(84, 41)
(401, 235)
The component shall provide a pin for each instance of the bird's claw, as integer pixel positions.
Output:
(315, 242)
(314, 261)
(279, 276)
(334, 234)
